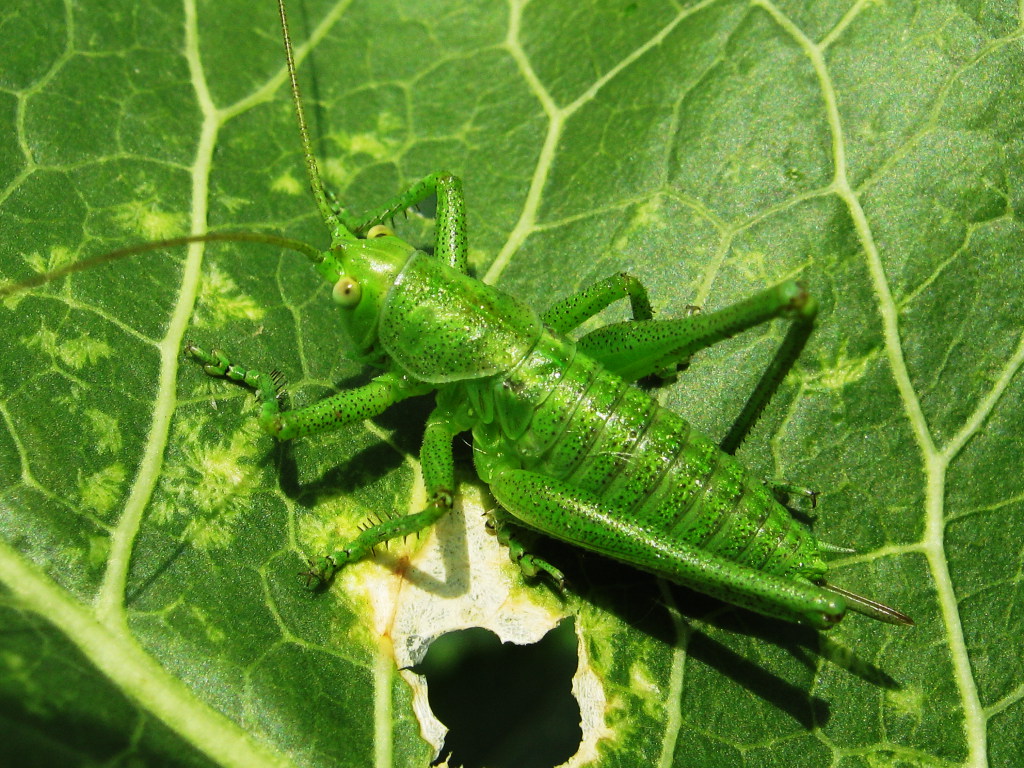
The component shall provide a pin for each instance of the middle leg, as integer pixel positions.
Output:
(438, 469)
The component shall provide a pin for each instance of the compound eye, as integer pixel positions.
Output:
(379, 230)
(347, 292)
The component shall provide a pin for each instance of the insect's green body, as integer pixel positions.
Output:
(560, 414)
(566, 442)
(552, 426)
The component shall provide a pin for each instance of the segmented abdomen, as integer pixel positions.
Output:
(560, 414)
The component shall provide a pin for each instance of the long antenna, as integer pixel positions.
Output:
(338, 230)
(122, 253)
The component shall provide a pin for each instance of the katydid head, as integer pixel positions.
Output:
(361, 272)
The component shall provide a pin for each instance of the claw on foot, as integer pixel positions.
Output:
(534, 567)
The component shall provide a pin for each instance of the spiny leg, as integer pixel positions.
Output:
(438, 469)
(345, 407)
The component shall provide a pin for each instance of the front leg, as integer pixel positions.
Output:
(450, 243)
(345, 407)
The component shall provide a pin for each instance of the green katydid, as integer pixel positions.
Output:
(567, 444)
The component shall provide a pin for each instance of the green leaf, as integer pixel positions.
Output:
(151, 535)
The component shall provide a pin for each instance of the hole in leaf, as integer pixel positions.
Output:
(505, 705)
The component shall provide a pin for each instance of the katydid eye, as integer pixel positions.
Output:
(379, 230)
(347, 292)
